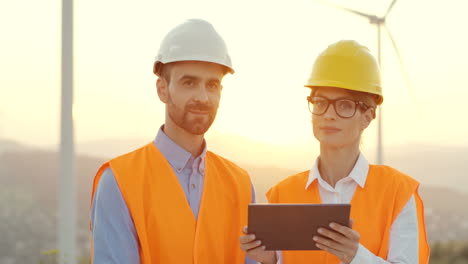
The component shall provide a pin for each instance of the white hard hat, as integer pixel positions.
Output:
(193, 40)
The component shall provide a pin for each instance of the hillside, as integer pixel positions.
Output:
(28, 184)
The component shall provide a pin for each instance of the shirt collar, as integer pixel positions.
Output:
(175, 154)
(358, 173)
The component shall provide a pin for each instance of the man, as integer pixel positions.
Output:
(172, 201)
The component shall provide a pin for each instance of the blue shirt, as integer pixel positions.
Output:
(114, 236)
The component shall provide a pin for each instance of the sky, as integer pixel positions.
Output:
(273, 45)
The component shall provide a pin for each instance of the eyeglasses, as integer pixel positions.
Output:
(344, 108)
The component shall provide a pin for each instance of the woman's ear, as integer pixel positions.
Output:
(162, 89)
(368, 116)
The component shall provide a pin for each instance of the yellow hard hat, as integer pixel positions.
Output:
(348, 65)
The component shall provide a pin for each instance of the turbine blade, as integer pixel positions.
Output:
(368, 16)
(406, 78)
(357, 12)
(390, 8)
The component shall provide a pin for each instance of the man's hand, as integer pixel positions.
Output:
(339, 240)
(254, 248)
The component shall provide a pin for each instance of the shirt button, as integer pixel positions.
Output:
(178, 169)
(192, 185)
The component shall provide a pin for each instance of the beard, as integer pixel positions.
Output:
(190, 122)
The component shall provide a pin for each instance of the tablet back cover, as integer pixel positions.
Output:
(292, 226)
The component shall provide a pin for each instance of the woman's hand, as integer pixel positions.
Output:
(254, 248)
(339, 240)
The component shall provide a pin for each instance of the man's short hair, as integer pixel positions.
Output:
(165, 70)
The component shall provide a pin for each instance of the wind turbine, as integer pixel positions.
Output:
(379, 22)
(66, 237)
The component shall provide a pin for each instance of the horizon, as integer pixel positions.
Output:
(422, 162)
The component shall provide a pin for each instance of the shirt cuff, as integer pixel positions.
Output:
(363, 256)
(279, 257)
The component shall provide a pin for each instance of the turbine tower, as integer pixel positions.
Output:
(66, 237)
(379, 22)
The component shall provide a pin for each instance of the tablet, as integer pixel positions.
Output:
(292, 226)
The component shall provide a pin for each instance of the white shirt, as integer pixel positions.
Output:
(403, 246)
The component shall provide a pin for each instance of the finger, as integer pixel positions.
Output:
(341, 255)
(245, 230)
(345, 231)
(247, 238)
(329, 243)
(329, 249)
(351, 223)
(257, 250)
(251, 245)
(257, 253)
(338, 237)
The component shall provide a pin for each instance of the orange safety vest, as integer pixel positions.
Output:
(373, 209)
(167, 229)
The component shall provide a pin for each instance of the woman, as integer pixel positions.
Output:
(387, 215)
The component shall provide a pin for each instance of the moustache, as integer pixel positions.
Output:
(199, 107)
